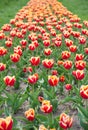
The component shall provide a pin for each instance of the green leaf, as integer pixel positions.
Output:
(42, 118)
(83, 111)
(84, 124)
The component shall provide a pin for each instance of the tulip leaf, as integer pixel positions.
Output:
(83, 111)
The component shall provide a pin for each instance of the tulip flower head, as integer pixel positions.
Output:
(6, 124)
(46, 106)
(30, 114)
(65, 121)
(84, 91)
(10, 81)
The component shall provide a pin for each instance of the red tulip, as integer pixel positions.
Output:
(65, 54)
(2, 67)
(48, 63)
(15, 57)
(6, 124)
(30, 114)
(79, 74)
(67, 64)
(79, 57)
(53, 80)
(86, 50)
(84, 91)
(54, 72)
(65, 121)
(46, 43)
(82, 40)
(73, 48)
(3, 51)
(68, 42)
(47, 51)
(80, 64)
(68, 87)
(35, 61)
(10, 81)
(2, 35)
(32, 47)
(46, 106)
(18, 50)
(23, 43)
(6, 27)
(62, 78)
(66, 34)
(8, 43)
(32, 79)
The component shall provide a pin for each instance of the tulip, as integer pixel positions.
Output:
(23, 43)
(19, 34)
(58, 43)
(13, 33)
(79, 74)
(47, 52)
(15, 57)
(82, 40)
(53, 80)
(10, 81)
(84, 31)
(2, 35)
(54, 72)
(66, 34)
(18, 50)
(42, 127)
(3, 51)
(35, 43)
(46, 43)
(48, 63)
(32, 79)
(32, 47)
(86, 50)
(6, 124)
(68, 86)
(46, 106)
(65, 54)
(68, 42)
(8, 43)
(60, 62)
(2, 67)
(65, 121)
(75, 34)
(30, 114)
(67, 64)
(29, 69)
(73, 48)
(35, 61)
(84, 91)
(40, 98)
(79, 57)
(62, 78)
(80, 64)
(6, 27)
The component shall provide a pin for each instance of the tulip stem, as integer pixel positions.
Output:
(86, 103)
(33, 88)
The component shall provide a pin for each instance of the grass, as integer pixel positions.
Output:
(79, 7)
(8, 9)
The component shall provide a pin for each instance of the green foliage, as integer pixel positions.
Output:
(79, 7)
(8, 9)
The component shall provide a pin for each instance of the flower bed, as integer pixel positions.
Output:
(43, 65)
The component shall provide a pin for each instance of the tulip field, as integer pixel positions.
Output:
(44, 69)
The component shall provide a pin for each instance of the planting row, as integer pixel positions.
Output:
(44, 69)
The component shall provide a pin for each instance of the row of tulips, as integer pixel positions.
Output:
(43, 57)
